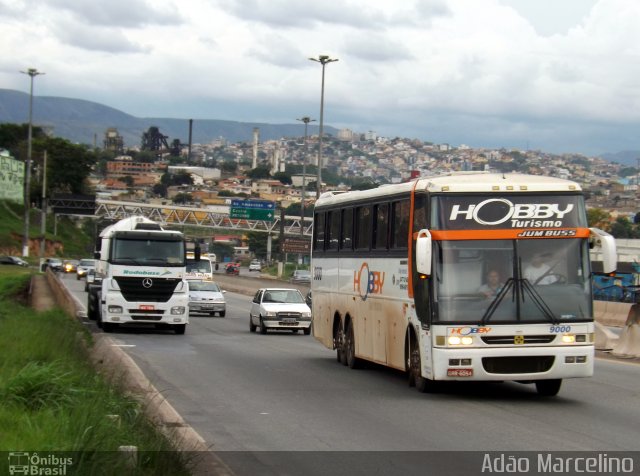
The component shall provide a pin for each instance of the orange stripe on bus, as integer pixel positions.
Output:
(504, 234)
(410, 239)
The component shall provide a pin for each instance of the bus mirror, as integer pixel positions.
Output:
(423, 252)
(607, 248)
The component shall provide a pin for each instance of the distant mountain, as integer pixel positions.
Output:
(86, 122)
(626, 157)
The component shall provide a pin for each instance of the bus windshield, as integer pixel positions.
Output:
(507, 281)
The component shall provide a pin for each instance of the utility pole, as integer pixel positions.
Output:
(43, 207)
(306, 120)
(32, 72)
(323, 60)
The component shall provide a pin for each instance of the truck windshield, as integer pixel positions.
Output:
(147, 252)
(507, 281)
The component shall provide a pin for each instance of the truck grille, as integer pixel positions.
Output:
(518, 365)
(160, 290)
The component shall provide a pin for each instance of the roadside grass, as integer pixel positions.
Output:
(75, 234)
(51, 399)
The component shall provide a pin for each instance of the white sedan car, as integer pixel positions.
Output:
(206, 297)
(279, 308)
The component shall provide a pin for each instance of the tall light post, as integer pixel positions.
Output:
(32, 72)
(323, 60)
(306, 120)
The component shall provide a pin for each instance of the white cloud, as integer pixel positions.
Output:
(417, 68)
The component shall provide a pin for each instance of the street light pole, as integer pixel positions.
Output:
(306, 120)
(323, 60)
(32, 72)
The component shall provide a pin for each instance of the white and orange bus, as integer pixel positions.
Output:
(399, 278)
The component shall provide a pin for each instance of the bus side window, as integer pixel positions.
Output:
(318, 231)
(333, 230)
(346, 239)
(381, 226)
(399, 224)
(363, 227)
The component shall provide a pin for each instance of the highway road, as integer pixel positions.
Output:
(259, 399)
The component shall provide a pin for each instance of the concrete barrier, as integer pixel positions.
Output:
(629, 344)
(611, 313)
(116, 365)
(605, 338)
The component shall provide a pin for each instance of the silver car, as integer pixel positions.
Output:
(279, 308)
(206, 297)
(84, 267)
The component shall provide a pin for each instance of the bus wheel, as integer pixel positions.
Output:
(424, 385)
(548, 388)
(338, 342)
(350, 349)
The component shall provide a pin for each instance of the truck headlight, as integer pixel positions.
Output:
(178, 310)
(115, 309)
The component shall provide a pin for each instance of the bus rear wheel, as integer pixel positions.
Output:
(548, 388)
(350, 348)
(338, 342)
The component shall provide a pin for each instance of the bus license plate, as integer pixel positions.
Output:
(460, 373)
(146, 307)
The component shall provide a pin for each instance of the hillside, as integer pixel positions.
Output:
(85, 122)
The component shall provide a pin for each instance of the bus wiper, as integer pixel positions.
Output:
(538, 301)
(496, 301)
(520, 285)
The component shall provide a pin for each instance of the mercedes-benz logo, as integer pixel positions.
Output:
(147, 282)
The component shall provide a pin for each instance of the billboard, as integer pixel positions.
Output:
(11, 179)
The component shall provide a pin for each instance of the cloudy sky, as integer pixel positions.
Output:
(554, 75)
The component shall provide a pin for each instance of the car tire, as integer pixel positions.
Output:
(223, 313)
(307, 331)
(263, 328)
(252, 326)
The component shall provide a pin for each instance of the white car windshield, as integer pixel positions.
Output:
(283, 296)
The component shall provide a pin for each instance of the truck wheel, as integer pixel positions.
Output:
(180, 328)
(108, 326)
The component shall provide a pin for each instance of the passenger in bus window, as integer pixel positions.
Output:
(493, 285)
(538, 272)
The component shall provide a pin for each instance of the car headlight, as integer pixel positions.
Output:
(306, 315)
(270, 314)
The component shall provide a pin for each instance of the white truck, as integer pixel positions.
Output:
(140, 277)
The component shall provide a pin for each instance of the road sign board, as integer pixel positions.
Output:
(251, 214)
(253, 204)
(296, 245)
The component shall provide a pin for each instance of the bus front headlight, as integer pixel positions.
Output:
(457, 340)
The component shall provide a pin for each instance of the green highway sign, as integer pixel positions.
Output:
(251, 214)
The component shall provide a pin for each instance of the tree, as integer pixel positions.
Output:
(294, 210)
(160, 189)
(68, 164)
(258, 244)
(622, 228)
(598, 218)
(183, 198)
(260, 172)
(222, 251)
(284, 177)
